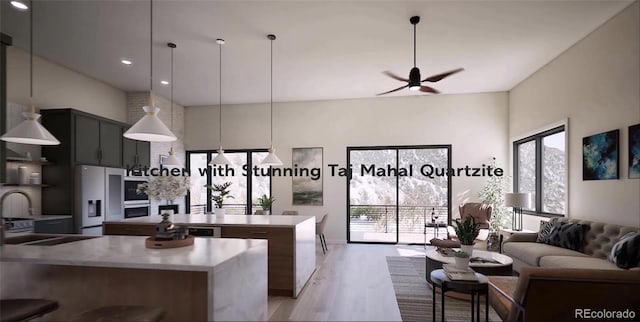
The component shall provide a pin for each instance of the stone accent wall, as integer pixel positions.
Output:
(135, 102)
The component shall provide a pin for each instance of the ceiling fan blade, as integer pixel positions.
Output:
(394, 90)
(439, 77)
(428, 89)
(392, 75)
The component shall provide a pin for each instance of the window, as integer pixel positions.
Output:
(245, 187)
(540, 169)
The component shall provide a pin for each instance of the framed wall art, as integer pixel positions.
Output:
(307, 188)
(600, 156)
(634, 151)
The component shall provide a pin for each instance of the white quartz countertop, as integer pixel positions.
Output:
(236, 220)
(130, 252)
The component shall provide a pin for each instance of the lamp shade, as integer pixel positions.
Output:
(220, 159)
(271, 159)
(30, 131)
(517, 200)
(172, 161)
(150, 128)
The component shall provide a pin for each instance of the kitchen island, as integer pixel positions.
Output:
(213, 279)
(292, 241)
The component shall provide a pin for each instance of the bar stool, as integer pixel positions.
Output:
(25, 309)
(122, 313)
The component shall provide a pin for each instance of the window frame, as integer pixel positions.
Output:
(538, 138)
(210, 154)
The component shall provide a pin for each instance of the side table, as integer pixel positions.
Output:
(474, 288)
(506, 233)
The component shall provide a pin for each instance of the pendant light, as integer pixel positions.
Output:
(150, 127)
(271, 159)
(172, 161)
(30, 131)
(220, 158)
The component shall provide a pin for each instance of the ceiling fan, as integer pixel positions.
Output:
(414, 83)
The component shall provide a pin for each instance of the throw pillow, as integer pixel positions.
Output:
(567, 235)
(626, 252)
(545, 230)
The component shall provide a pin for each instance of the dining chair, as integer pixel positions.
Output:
(290, 213)
(320, 232)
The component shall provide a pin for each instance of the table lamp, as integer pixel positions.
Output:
(517, 200)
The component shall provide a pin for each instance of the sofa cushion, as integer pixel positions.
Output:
(567, 235)
(576, 262)
(626, 252)
(601, 237)
(546, 227)
(531, 253)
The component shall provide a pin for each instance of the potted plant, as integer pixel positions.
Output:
(467, 231)
(266, 202)
(462, 259)
(222, 193)
(493, 194)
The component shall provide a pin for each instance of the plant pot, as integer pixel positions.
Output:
(219, 212)
(467, 249)
(462, 262)
(266, 212)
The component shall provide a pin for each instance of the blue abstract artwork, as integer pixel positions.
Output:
(600, 155)
(634, 151)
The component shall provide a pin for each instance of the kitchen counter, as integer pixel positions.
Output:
(42, 217)
(190, 283)
(236, 220)
(291, 249)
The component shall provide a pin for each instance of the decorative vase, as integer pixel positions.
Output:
(219, 212)
(467, 249)
(462, 262)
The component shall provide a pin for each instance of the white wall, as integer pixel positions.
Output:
(596, 85)
(475, 125)
(56, 86)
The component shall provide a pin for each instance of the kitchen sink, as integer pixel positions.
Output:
(45, 239)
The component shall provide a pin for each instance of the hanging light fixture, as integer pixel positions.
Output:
(30, 131)
(271, 159)
(172, 161)
(220, 158)
(150, 127)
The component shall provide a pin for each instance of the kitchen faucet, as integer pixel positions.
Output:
(4, 196)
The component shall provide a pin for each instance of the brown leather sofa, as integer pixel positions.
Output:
(553, 294)
(599, 239)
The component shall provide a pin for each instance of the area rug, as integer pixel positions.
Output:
(414, 296)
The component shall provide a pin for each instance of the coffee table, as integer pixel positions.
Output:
(504, 267)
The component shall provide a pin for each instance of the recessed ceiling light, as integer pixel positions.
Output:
(20, 5)
(164, 82)
(126, 61)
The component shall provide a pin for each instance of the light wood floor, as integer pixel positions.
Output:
(351, 283)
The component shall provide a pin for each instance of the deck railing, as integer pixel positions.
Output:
(382, 218)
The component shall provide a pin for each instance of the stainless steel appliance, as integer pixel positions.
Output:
(100, 197)
(131, 194)
(205, 231)
(133, 210)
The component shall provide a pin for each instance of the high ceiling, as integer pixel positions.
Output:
(325, 49)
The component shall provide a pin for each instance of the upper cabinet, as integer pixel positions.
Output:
(91, 140)
(135, 153)
(97, 142)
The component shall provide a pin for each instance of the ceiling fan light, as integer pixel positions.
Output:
(414, 87)
(220, 158)
(30, 131)
(150, 128)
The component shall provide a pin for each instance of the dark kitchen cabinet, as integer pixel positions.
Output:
(5, 41)
(135, 153)
(97, 142)
(53, 226)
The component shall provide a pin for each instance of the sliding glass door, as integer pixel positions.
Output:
(395, 196)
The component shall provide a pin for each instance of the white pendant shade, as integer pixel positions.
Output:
(150, 128)
(271, 159)
(172, 161)
(30, 131)
(220, 158)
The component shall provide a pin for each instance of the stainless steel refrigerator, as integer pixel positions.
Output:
(100, 197)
